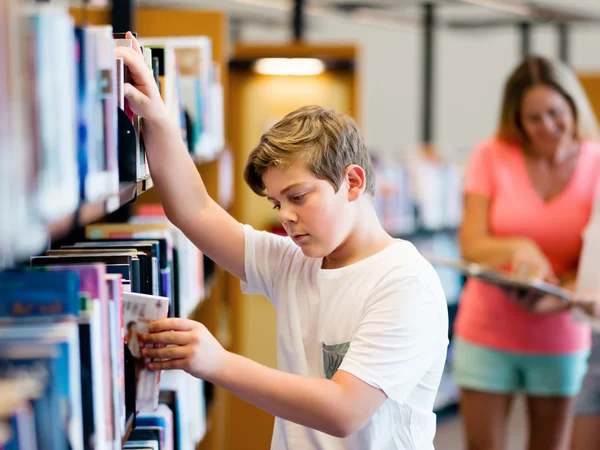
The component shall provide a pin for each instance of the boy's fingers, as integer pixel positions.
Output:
(167, 338)
(133, 94)
(137, 67)
(167, 365)
(175, 324)
(136, 44)
(166, 352)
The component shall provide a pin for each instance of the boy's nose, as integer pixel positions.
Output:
(286, 215)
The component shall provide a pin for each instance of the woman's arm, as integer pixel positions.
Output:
(480, 246)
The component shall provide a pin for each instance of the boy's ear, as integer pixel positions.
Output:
(355, 178)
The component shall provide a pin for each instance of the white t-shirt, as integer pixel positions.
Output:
(383, 319)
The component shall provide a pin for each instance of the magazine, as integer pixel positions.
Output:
(139, 310)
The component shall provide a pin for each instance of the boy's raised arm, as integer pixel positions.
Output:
(176, 179)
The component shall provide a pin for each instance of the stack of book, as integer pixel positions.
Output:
(69, 137)
(191, 88)
(82, 302)
(71, 372)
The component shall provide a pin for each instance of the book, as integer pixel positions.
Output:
(160, 249)
(150, 249)
(140, 157)
(144, 257)
(501, 279)
(162, 418)
(114, 286)
(125, 263)
(139, 310)
(108, 89)
(96, 354)
(22, 345)
(155, 231)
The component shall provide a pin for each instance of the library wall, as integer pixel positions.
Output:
(470, 71)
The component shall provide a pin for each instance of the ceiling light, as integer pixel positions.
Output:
(289, 66)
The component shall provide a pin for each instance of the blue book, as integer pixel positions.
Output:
(61, 340)
(41, 363)
(22, 425)
(38, 295)
(39, 309)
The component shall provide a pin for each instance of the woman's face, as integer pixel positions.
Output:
(547, 119)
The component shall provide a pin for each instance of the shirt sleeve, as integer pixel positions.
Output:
(403, 333)
(264, 256)
(479, 178)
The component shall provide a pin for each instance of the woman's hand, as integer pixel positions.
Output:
(529, 262)
(143, 95)
(537, 303)
(589, 303)
(189, 346)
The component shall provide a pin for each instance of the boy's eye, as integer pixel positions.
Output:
(276, 206)
(298, 198)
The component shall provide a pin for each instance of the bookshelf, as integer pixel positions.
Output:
(64, 324)
(217, 173)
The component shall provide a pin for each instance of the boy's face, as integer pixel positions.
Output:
(310, 210)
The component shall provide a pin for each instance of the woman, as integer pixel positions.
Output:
(528, 196)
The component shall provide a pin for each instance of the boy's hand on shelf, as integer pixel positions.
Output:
(189, 347)
(143, 94)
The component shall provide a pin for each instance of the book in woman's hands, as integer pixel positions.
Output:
(139, 310)
(501, 279)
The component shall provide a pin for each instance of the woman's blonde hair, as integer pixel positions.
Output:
(324, 141)
(535, 71)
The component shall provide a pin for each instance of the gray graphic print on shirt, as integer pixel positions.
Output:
(333, 356)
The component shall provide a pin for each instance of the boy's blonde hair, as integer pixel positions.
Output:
(324, 141)
(536, 71)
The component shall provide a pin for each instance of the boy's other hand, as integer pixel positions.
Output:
(143, 94)
(189, 346)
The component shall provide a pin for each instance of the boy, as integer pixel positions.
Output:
(361, 318)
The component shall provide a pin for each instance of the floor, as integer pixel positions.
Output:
(449, 434)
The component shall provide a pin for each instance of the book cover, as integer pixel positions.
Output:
(61, 339)
(97, 317)
(163, 418)
(108, 95)
(21, 360)
(38, 295)
(114, 283)
(139, 311)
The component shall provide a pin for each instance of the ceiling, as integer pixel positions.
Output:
(456, 14)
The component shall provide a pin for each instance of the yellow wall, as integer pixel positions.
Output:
(591, 85)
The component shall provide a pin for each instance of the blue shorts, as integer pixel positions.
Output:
(588, 402)
(488, 370)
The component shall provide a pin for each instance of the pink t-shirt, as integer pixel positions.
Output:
(486, 314)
